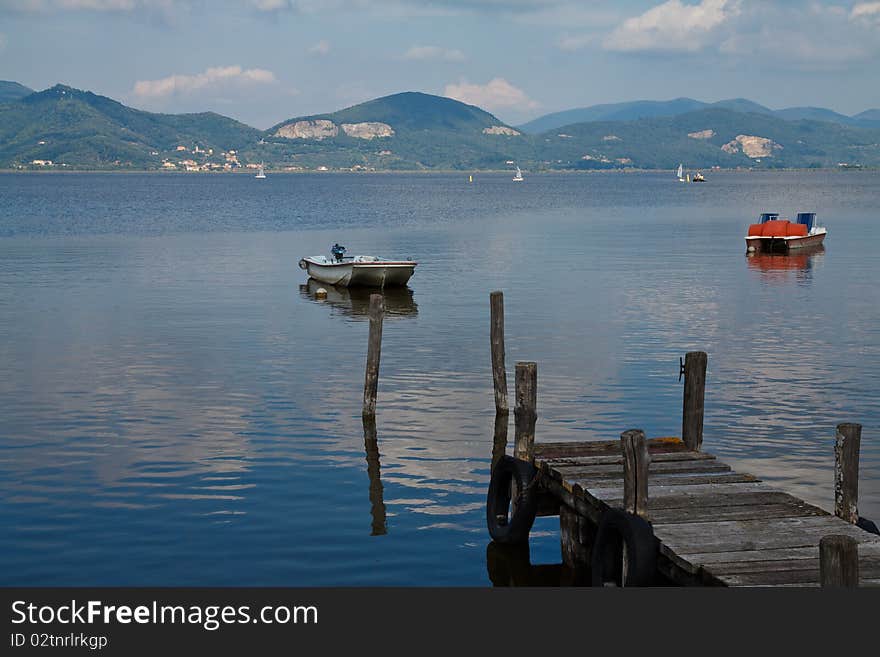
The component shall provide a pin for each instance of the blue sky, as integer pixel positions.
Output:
(263, 61)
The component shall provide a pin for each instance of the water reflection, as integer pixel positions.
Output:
(785, 267)
(377, 503)
(355, 301)
(511, 565)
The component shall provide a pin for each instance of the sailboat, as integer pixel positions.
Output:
(260, 174)
(680, 173)
(518, 177)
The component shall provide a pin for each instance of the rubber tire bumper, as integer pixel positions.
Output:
(868, 525)
(513, 530)
(620, 531)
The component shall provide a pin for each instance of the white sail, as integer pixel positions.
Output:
(518, 175)
(680, 171)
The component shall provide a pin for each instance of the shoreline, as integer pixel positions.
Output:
(275, 172)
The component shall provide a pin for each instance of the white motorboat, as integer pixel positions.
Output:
(359, 270)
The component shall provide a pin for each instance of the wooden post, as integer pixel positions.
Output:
(526, 411)
(839, 561)
(499, 373)
(377, 502)
(374, 351)
(499, 442)
(635, 472)
(576, 535)
(694, 396)
(846, 471)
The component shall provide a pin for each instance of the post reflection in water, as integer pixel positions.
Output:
(355, 301)
(785, 267)
(377, 503)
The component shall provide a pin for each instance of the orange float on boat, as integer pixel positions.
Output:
(774, 235)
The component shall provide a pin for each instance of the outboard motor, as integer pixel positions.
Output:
(337, 252)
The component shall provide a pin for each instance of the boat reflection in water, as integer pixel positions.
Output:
(785, 267)
(355, 301)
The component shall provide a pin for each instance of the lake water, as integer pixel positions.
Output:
(176, 409)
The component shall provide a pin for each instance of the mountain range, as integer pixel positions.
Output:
(649, 109)
(63, 127)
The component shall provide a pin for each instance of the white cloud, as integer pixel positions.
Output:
(433, 53)
(866, 11)
(672, 26)
(781, 37)
(210, 78)
(496, 94)
(320, 49)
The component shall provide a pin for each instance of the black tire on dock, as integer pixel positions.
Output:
(868, 525)
(505, 527)
(618, 532)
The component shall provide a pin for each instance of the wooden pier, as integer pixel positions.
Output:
(662, 511)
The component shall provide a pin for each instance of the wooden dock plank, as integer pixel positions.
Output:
(735, 535)
(683, 479)
(714, 525)
(658, 494)
(613, 459)
(614, 470)
(596, 447)
(742, 512)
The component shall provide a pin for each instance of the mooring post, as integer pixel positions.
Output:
(846, 471)
(526, 411)
(499, 441)
(635, 472)
(374, 351)
(496, 335)
(839, 561)
(694, 395)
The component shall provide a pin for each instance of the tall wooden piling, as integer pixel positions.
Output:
(694, 397)
(635, 472)
(526, 410)
(839, 561)
(499, 441)
(374, 351)
(496, 336)
(846, 471)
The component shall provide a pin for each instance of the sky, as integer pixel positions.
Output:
(264, 61)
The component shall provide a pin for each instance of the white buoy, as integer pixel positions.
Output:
(320, 293)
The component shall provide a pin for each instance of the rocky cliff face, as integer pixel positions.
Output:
(317, 129)
(752, 146)
(368, 130)
(501, 130)
(324, 129)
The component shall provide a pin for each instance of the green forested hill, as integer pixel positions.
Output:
(416, 131)
(10, 91)
(709, 137)
(84, 130)
(426, 132)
